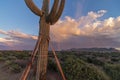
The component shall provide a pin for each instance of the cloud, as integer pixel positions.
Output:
(17, 34)
(91, 30)
(17, 40)
(64, 29)
(87, 31)
(71, 27)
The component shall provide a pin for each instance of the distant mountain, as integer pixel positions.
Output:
(94, 49)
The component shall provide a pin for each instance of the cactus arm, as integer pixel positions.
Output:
(59, 13)
(45, 7)
(53, 11)
(33, 7)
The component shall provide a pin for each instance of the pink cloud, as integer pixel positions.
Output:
(86, 31)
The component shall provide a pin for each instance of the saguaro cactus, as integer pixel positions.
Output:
(47, 18)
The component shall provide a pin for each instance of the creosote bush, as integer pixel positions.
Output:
(113, 70)
(76, 69)
(52, 65)
(2, 59)
(15, 68)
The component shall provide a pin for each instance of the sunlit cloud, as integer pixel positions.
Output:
(17, 34)
(88, 31)
(8, 42)
(17, 39)
(89, 25)
(84, 25)
(91, 30)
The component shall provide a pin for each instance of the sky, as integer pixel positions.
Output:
(83, 24)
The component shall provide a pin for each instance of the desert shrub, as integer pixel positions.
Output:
(11, 58)
(13, 55)
(15, 68)
(113, 70)
(52, 65)
(8, 62)
(95, 61)
(22, 55)
(2, 59)
(115, 59)
(76, 69)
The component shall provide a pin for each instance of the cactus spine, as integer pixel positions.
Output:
(46, 19)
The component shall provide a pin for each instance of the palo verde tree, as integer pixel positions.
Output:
(47, 18)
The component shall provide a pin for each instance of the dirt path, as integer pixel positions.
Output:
(53, 76)
(7, 75)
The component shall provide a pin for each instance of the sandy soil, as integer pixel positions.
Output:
(5, 74)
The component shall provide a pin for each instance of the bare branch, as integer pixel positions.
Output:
(33, 7)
